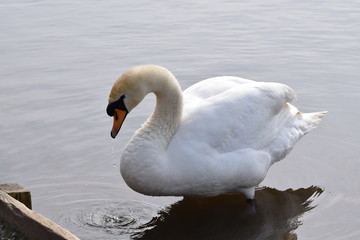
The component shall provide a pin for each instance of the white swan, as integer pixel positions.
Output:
(221, 135)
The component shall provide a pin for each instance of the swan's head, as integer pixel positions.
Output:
(125, 94)
(130, 89)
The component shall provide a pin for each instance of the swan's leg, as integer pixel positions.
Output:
(250, 198)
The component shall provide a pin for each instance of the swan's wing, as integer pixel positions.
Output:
(232, 131)
(226, 114)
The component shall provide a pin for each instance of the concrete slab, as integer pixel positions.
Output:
(31, 224)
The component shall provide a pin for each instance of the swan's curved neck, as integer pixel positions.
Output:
(165, 120)
(145, 156)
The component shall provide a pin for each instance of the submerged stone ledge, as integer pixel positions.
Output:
(29, 223)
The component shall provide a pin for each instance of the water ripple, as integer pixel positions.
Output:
(109, 220)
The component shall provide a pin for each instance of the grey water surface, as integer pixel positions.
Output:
(59, 59)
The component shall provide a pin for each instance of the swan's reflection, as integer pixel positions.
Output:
(275, 216)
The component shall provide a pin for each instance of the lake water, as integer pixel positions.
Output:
(59, 60)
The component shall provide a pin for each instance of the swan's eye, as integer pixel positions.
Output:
(119, 104)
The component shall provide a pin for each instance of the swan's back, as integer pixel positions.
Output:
(226, 114)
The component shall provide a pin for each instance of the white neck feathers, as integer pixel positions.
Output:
(166, 118)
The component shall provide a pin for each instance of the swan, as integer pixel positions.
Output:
(221, 135)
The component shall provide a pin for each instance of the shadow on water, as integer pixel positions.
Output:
(274, 216)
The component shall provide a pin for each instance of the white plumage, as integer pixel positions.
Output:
(220, 135)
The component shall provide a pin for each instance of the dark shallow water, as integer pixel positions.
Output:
(59, 60)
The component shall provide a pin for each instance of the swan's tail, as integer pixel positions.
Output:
(311, 121)
(302, 124)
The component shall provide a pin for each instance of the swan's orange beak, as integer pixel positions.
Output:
(119, 117)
